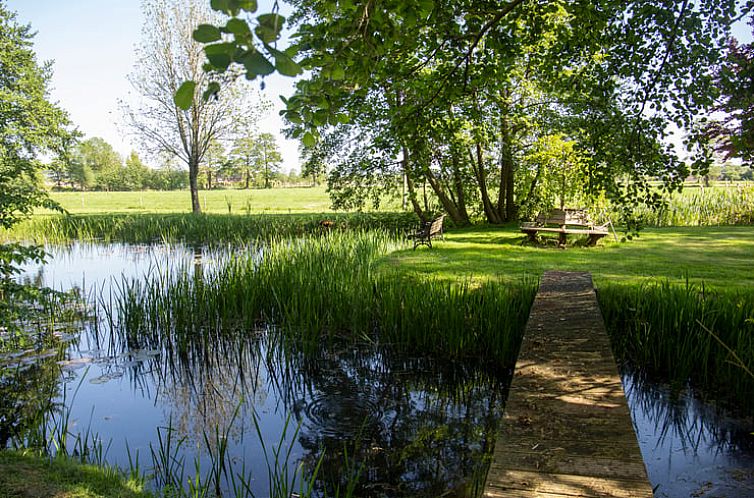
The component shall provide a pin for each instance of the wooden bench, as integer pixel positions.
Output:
(569, 222)
(428, 231)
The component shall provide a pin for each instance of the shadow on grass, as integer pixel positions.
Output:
(718, 256)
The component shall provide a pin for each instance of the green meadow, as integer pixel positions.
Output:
(716, 256)
(256, 201)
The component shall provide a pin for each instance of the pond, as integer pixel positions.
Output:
(402, 425)
(406, 426)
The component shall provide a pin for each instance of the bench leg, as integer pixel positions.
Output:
(562, 240)
(532, 237)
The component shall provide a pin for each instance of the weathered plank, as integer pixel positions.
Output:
(566, 430)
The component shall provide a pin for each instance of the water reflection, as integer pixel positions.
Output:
(691, 446)
(406, 426)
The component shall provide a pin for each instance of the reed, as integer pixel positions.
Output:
(687, 333)
(324, 288)
(710, 206)
(207, 229)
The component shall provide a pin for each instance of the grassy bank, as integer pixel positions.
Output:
(678, 302)
(24, 475)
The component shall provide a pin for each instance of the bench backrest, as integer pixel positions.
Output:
(436, 226)
(577, 217)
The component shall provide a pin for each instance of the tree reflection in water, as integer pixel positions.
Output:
(407, 426)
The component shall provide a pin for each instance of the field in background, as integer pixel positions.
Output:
(254, 201)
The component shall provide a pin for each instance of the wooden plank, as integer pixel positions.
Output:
(566, 430)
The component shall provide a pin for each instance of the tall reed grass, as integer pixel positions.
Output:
(688, 333)
(206, 229)
(328, 287)
(700, 207)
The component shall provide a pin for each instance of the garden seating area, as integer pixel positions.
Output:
(567, 222)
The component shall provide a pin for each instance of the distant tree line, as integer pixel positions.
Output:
(93, 164)
(248, 162)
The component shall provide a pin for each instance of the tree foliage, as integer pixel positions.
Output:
(733, 133)
(30, 125)
(451, 95)
(167, 57)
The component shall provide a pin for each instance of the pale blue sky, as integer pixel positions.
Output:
(92, 44)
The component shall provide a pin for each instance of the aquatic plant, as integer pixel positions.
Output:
(207, 229)
(324, 287)
(686, 332)
(698, 207)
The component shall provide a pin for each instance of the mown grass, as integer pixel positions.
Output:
(25, 475)
(718, 256)
(253, 201)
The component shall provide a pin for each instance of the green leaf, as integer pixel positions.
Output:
(212, 90)
(184, 96)
(206, 33)
(269, 27)
(338, 73)
(220, 55)
(285, 65)
(275, 21)
(308, 139)
(220, 5)
(257, 64)
(248, 5)
(238, 27)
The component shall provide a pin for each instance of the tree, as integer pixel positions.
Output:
(267, 156)
(167, 57)
(214, 160)
(243, 156)
(733, 134)
(95, 164)
(396, 83)
(30, 126)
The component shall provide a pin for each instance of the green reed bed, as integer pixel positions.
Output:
(198, 229)
(687, 333)
(328, 287)
(703, 207)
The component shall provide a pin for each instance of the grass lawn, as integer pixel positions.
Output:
(718, 256)
(26, 476)
(256, 201)
(278, 200)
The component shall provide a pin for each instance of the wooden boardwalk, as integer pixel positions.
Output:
(566, 431)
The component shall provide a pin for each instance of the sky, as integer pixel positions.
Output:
(92, 45)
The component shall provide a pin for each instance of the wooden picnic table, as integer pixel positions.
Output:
(567, 222)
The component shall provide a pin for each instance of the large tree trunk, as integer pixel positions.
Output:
(447, 203)
(481, 176)
(505, 203)
(194, 186)
(459, 188)
(410, 185)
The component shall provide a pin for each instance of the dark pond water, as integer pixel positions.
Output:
(691, 447)
(408, 426)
